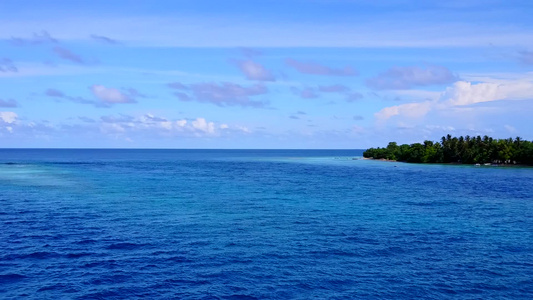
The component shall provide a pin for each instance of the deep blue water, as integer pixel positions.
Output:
(258, 224)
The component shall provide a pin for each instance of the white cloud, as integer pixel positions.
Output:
(152, 125)
(111, 95)
(399, 78)
(106, 96)
(243, 129)
(202, 125)
(8, 117)
(461, 94)
(106, 130)
(254, 71)
(440, 128)
(465, 93)
(112, 128)
(410, 110)
(223, 94)
(509, 128)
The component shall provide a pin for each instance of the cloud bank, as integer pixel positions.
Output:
(314, 68)
(526, 57)
(152, 125)
(38, 38)
(8, 103)
(400, 78)
(7, 65)
(462, 94)
(223, 94)
(106, 96)
(8, 117)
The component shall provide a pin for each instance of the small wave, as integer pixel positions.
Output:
(12, 277)
(180, 259)
(199, 243)
(335, 252)
(362, 240)
(55, 287)
(390, 251)
(430, 203)
(239, 297)
(101, 264)
(77, 163)
(490, 286)
(111, 279)
(85, 242)
(34, 255)
(103, 295)
(455, 239)
(125, 246)
(78, 255)
(42, 255)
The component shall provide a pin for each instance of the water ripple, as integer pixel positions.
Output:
(261, 225)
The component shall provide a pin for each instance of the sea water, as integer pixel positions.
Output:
(260, 224)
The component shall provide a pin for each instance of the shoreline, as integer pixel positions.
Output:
(453, 163)
(381, 159)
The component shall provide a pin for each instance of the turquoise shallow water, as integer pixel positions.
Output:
(260, 224)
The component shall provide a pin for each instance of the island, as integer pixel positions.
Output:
(463, 150)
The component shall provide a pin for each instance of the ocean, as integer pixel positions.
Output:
(260, 224)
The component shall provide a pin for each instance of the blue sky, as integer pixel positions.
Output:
(262, 74)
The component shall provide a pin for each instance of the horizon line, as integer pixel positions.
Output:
(73, 148)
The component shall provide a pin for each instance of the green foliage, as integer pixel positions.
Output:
(468, 150)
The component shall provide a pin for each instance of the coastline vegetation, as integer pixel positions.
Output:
(466, 150)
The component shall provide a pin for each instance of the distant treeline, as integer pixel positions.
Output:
(467, 150)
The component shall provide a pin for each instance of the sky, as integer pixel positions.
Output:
(270, 74)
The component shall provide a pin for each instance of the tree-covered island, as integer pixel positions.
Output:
(466, 150)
